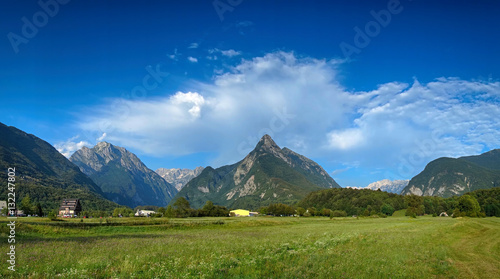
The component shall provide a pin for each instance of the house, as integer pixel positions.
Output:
(70, 208)
(145, 213)
(242, 213)
(3, 204)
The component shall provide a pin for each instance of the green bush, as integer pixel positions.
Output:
(52, 215)
(338, 213)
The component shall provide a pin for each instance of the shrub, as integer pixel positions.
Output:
(52, 215)
(387, 209)
(338, 213)
(468, 205)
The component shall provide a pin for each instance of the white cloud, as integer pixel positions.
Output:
(69, 147)
(194, 100)
(345, 139)
(102, 137)
(300, 102)
(230, 52)
(193, 45)
(192, 59)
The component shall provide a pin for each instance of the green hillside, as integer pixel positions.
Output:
(267, 175)
(447, 177)
(44, 174)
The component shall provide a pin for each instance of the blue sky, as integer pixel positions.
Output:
(368, 89)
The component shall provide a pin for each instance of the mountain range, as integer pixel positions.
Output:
(122, 177)
(179, 177)
(447, 177)
(107, 175)
(268, 174)
(391, 186)
(45, 174)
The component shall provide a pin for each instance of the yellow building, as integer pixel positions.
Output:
(242, 213)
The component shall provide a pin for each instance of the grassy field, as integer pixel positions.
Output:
(263, 247)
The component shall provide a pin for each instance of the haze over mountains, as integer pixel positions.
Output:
(447, 177)
(122, 177)
(266, 175)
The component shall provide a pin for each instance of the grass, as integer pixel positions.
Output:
(394, 247)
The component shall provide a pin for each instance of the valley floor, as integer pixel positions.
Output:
(262, 247)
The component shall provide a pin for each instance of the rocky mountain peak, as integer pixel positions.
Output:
(267, 144)
(179, 177)
(122, 176)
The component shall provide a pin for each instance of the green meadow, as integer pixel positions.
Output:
(255, 247)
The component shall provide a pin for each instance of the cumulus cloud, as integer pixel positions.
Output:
(69, 147)
(193, 46)
(192, 59)
(346, 139)
(300, 102)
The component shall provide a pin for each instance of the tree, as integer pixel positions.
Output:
(300, 211)
(208, 209)
(387, 209)
(169, 213)
(161, 211)
(415, 205)
(312, 211)
(37, 209)
(26, 205)
(182, 207)
(326, 212)
(53, 215)
(469, 205)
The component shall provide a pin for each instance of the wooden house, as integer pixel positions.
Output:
(70, 208)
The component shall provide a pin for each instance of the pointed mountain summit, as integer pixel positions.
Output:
(122, 177)
(268, 174)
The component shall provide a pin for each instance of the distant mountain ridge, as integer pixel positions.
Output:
(447, 177)
(179, 177)
(266, 175)
(391, 186)
(122, 176)
(44, 173)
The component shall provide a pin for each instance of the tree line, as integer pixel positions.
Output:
(365, 202)
(336, 202)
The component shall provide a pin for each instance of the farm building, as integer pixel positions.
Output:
(242, 213)
(145, 213)
(70, 207)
